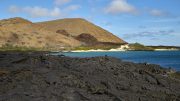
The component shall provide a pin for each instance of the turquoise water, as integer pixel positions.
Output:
(164, 58)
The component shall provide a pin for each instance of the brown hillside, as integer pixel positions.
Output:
(21, 32)
(77, 26)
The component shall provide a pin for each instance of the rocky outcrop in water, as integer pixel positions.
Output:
(40, 77)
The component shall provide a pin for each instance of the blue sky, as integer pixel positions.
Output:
(151, 22)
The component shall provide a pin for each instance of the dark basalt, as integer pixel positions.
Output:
(40, 77)
(88, 39)
(63, 32)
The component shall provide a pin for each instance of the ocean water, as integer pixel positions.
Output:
(164, 58)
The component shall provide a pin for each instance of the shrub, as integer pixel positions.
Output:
(10, 47)
(139, 47)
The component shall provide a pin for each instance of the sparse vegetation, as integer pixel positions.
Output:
(24, 34)
(39, 37)
(19, 34)
(78, 26)
(164, 47)
(15, 35)
(106, 47)
(29, 38)
(175, 75)
(10, 47)
(40, 42)
(139, 47)
(63, 32)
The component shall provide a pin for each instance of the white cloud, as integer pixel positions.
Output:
(150, 34)
(61, 2)
(55, 12)
(120, 6)
(156, 12)
(72, 7)
(36, 11)
(165, 20)
(14, 9)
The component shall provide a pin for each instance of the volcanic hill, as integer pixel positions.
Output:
(53, 35)
(82, 29)
(23, 33)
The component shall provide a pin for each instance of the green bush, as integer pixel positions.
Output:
(105, 47)
(140, 47)
(10, 47)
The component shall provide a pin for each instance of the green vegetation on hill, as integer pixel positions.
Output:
(139, 47)
(105, 47)
(164, 47)
(9, 47)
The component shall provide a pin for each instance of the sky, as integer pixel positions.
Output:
(150, 22)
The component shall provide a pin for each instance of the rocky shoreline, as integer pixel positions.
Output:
(36, 76)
